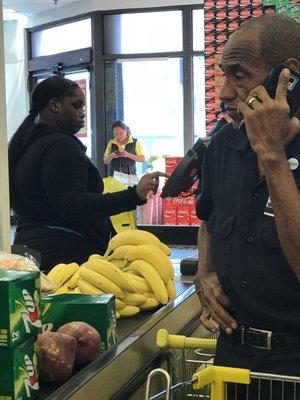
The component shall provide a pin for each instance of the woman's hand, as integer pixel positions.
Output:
(149, 182)
(123, 153)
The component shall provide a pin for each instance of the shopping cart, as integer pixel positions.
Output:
(191, 375)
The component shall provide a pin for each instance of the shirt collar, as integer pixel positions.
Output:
(240, 143)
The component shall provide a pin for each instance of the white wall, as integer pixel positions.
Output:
(84, 6)
(15, 74)
(4, 192)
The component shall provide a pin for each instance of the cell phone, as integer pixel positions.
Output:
(293, 89)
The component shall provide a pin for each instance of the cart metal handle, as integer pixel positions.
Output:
(158, 371)
(165, 341)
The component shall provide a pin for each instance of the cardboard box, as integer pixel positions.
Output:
(96, 310)
(184, 215)
(20, 307)
(195, 221)
(19, 378)
(170, 212)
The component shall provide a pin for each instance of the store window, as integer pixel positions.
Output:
(198, 30)
(150, 32)
(150, 100)
(62, 38)
(199, 97)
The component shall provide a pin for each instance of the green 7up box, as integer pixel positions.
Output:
(19, 312)
(97, 311)
(18, 378)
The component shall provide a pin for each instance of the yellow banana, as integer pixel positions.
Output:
(119, 304)
(140, 279)
(101, 282)
(128, 311)
(117, 315)
(164, 259)
(153, 278)
(134, 299)
(152, 255)
(171, 289)
(61, 273)
(76, 290)
(132, 237)
(72, 282)
(88, 288)
(150, 303)
(164, 248)
(111, 272)
(139, 285)
(63, 289)
(95, 256)
(120, 263)
(120, 252)
(149, 294)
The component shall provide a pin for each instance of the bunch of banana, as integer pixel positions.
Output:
(62, 276)
(136, 269)
(134, 237)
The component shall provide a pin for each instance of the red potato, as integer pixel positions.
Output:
(87, 338)
(56, 355)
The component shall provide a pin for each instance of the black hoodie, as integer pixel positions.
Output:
(53, 182)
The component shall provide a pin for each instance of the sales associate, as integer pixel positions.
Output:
(123, 151)
(55, 190)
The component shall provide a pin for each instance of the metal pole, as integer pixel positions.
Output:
(4, 189)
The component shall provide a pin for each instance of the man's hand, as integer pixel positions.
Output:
(268, 124)
(214, 303)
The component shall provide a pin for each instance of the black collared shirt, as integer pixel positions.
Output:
(246, 252)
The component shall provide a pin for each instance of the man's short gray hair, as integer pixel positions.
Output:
(279, 37)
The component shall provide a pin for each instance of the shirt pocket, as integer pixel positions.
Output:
(269, 233)
(220, 226)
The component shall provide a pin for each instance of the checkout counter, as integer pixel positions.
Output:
(121, 370)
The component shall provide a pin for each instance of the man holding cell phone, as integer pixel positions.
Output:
(249, 259)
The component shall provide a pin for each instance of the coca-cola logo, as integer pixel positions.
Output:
(184, 200)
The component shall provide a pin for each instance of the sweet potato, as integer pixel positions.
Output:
(56, 355)
(87, 338)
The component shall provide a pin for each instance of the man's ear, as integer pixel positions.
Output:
(53, 105)
(293, 63)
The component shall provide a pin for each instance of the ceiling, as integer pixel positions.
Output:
(30, 7)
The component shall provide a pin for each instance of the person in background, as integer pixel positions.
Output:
(123, 151)
(55, 190)
(249, 260)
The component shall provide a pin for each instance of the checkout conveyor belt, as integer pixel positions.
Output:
(113, 369)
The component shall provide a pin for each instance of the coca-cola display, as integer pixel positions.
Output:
(179, 210)
(221, 18)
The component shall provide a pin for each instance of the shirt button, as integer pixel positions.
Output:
(250, 240)
(244, 284)
(255, 196)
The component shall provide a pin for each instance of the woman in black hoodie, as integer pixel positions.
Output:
(55, 190)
